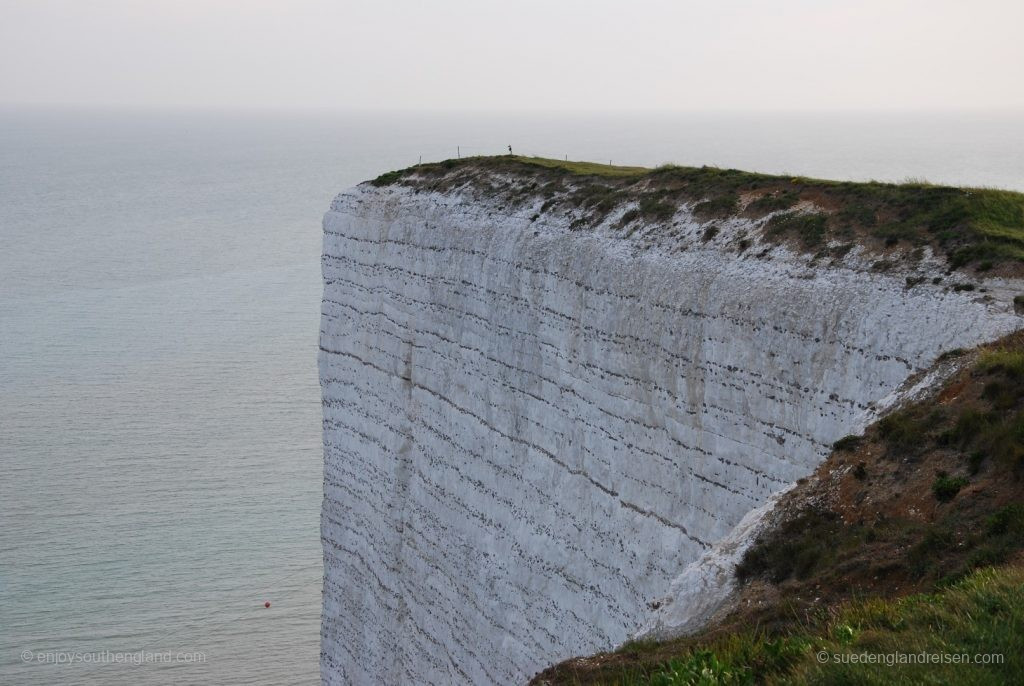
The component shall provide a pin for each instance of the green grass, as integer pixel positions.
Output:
(982, 614)
(978, 226)
(1009, 361)
(582, 168)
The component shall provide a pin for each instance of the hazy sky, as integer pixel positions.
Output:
(515, 54)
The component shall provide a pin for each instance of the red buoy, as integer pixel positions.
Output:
(266, 604)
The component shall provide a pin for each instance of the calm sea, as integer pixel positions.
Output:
(160, 464)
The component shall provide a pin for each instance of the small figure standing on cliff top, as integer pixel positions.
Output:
(510, 150)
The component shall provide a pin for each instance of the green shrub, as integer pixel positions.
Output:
(924, 555)
(795, 548)
(968, 425)
(809, 229)
(946, 487)
(858, 214)
(975, 460)
(950, 354)
(773, 202)
(1009, 519)
(848, 443)
(1001, 394)
(901, 430)
(1005, 441)
(652, 209)
(721, 206)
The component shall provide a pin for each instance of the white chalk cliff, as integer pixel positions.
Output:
(531, 431)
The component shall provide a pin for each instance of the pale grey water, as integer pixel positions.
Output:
(160, 465)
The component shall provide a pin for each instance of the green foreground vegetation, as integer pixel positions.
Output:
(980, 227)
(937, 638)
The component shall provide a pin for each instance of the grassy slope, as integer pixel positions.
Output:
(979, 227)
(929, 502)
(981, 615)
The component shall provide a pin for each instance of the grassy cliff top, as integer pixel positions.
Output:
(972, 227)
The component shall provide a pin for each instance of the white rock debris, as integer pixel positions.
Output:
(530, 433)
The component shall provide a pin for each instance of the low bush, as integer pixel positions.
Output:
(794, 549)
(773, 202)
(848, 443)
(809, 229)
(721, 206)
(946, 487)
(901, 430)
(652, 209)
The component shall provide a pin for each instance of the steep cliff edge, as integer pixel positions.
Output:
(546, 392)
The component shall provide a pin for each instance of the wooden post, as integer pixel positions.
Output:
(458, 152)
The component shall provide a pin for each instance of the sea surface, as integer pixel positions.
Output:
(160, 452)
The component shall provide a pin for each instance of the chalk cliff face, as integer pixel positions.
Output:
(531, 431)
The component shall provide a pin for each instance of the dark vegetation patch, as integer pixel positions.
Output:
(794, 549)
(774, 201)
(808, 228)
(946, 487)
(846, 443)
(720, 206)
(653, 209)
(978, 227)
